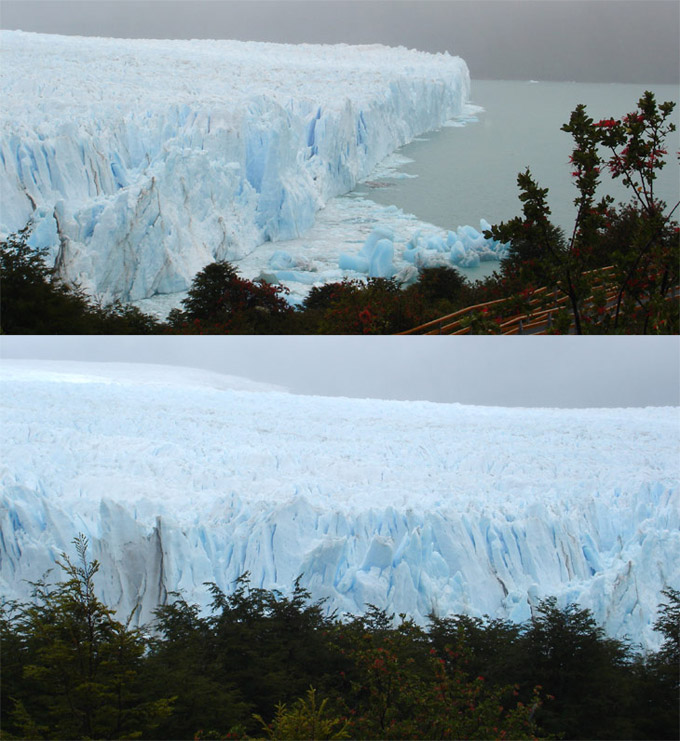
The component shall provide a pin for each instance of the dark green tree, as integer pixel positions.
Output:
(81, 676)
(256, 649)
(492, 646)
(273, 647)
(668, 623)
(659, 676)
(183, 662)
(590, 675)
(375, 306)
(33, 299)
(13, 655)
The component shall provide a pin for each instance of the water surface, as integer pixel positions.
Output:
(468, 173)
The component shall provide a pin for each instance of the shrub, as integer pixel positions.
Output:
(221, 301)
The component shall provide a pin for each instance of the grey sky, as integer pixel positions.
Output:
(634, 41)
(496, 371)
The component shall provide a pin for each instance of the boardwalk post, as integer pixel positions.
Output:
(519, 331)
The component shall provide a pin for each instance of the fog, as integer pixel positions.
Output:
(494, 371)
(635, 41)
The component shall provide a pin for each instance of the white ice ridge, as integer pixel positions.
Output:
(140, 161)
(411, 506)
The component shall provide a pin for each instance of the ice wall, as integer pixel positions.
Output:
(141, 161)
(411, 506)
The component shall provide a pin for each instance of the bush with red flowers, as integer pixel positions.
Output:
(638, 239)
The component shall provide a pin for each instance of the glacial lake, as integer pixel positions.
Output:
(467, 173)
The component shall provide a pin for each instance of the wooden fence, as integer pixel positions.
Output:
(536, 316)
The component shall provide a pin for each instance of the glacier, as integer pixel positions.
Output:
(140, 161)
(180, 477)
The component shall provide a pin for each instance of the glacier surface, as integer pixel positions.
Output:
(179, 477)
(140, 161)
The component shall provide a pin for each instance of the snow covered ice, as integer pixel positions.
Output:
(140, 161)
(179, 477)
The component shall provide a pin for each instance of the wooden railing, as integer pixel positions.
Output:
(537, 317)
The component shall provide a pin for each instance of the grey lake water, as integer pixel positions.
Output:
(470, 172)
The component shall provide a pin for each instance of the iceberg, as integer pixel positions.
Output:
(140, 161)
(466, 248)
(180, 477)
(375, 257)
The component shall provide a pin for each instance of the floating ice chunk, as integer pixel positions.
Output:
(436, 242)
(381, 265)
(380, 232)
(407, 275)
(281, 260)
(297, 276)
(410, 254)
(470, 232)
(357, 263)
(458, 253)
(375, 257)
(471, 260)
(414, 241)
(431, 259)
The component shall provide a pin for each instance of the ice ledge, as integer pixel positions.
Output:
(133, 374)
(142, 161)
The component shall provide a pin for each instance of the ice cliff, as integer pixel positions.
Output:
(140, 161)
(180, 477)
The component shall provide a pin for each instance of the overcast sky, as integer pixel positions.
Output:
(634, 41)
(496, 371)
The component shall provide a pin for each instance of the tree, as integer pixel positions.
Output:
(398, 687)
(82, 667)
(13, 654)
(492, 646)
(257, 648)
(271, 646)
(33, 300)
(376, 306)
(441, 284)
(305, 720)
(639, 239)
(668, 623)
(184, 662)
(590, 675)
(219, 300)
(660, 676)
